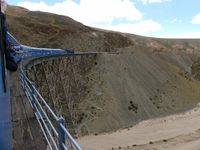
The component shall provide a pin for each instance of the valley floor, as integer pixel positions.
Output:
(175, 132)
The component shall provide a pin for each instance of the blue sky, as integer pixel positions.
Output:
(157, 18)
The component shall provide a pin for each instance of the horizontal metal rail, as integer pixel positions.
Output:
(53, 128)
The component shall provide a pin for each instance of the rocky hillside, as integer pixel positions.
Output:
(54, 31)
(144, 78)
(112, 91)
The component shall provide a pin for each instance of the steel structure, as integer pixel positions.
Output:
(52, 126)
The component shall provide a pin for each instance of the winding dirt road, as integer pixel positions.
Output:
(179, 131)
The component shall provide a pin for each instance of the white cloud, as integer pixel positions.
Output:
(90, 11)
(154, 1)
(100, 13)
(142, 27)
(196, 19)
(189, 35)
(174, 20)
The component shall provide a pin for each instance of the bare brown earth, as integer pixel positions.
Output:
(54, 31)
(117, 90)
(166, 133)
(134, 78)
(126, 90)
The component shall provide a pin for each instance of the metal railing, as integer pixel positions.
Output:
(53, 128)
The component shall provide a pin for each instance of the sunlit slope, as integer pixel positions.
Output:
(117, 90)
(138, 84)
(141, 78)
(42, 29)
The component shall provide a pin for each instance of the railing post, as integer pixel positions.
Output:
(61, 133)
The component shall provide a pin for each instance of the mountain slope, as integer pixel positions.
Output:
(144, 78)
(49, 30)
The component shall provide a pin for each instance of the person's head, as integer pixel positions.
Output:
(3, 6)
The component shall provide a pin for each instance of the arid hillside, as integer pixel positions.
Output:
(142, 78)
(54, 31)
